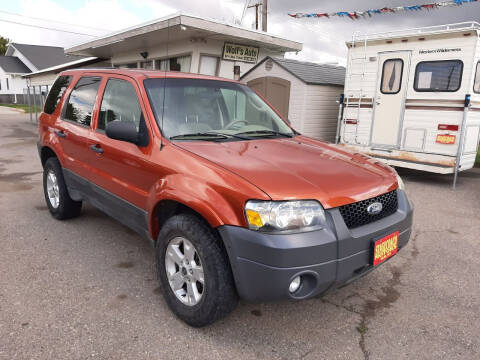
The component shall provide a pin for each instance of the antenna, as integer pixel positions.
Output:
(165, 83)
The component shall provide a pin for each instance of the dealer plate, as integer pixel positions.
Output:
(385, 248)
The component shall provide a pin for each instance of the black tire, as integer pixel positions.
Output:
(67, 208)
(219, 294)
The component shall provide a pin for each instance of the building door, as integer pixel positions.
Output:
(275, 90)
(390, 98)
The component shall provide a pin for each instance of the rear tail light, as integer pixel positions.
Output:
(448, 127)
(351, 121)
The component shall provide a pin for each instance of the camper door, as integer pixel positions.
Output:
(390, 98)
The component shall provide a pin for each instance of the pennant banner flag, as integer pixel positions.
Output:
(359, 14)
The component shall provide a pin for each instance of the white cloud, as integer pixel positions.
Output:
(104, 14)
(324, 40)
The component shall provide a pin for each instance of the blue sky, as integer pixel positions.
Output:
(324, 40)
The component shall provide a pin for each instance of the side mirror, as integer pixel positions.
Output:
(123, 131)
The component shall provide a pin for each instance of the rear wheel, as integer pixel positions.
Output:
(194, 272)
(58, 200)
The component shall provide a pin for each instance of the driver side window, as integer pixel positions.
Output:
(119, 102)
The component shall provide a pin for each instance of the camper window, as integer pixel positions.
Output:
(438, 76)
(392, 76)
(476, 84)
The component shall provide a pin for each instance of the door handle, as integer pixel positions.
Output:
(97, 149)
(60, 133)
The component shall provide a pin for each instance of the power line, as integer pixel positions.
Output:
(55, 21)
(47, 28)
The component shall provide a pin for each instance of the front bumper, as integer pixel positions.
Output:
(263, 264)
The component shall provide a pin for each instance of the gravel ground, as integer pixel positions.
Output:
(85, 288)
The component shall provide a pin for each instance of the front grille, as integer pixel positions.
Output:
(356, 214)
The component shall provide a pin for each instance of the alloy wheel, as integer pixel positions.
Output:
(184, 271)
(53, 190)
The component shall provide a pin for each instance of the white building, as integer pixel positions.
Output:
(22, 59)
(189, 44)
(11, 81)
(304, 92)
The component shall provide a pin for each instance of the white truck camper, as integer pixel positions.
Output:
(412, 97)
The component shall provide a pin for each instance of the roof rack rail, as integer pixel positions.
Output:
(437, 29)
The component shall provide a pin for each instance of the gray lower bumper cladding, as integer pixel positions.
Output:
(264, 264)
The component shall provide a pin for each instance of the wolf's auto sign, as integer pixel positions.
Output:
(240, 53)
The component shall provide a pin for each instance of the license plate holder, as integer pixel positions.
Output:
(384, 248)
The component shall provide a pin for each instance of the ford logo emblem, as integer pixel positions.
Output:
(374, 208)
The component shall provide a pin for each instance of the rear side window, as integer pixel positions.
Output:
(119, 102)
(476, 84)
(55, 94)
(82, 98)
(438, 76)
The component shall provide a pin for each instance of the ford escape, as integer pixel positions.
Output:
(236, 202)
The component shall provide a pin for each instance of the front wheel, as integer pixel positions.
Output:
(58, 200)
(194, 272)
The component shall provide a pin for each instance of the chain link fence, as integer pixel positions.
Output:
(35, 96)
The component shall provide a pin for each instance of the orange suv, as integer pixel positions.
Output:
(235, 202)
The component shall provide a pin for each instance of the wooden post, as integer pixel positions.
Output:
(256, 13)
(264, 15)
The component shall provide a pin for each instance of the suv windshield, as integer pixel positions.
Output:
(195, 109)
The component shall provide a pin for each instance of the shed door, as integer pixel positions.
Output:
(275, 90)
(390, 98)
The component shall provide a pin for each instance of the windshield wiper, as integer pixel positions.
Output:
(236, 136)
(265, 132)
(204, 135)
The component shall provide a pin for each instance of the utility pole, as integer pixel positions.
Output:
(264, 15)
(256, 13)
(263, 4)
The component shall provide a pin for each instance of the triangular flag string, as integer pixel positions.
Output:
(386, 10)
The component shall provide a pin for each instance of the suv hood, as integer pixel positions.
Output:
(300, 168)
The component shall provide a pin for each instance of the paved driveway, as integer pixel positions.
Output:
(85, 288)
(6, 111)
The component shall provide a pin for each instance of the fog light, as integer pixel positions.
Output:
(295, 284)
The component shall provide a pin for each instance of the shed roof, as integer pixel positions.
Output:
(58, 68)
(43, 57)
(12, 64)
(309, 73)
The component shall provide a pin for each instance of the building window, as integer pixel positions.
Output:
(179, 63)
(147, 65)
(80, 103)
(127, 66)
(392, 76)
(438, 76)
(8, 85)
(208, 65)
(476, 83)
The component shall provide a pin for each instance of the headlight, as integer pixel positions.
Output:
(284, 215)
(401, 184)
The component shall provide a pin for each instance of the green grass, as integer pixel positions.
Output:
(477, 161)
(23, 107)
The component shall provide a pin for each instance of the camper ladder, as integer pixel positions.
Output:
(361, 74)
